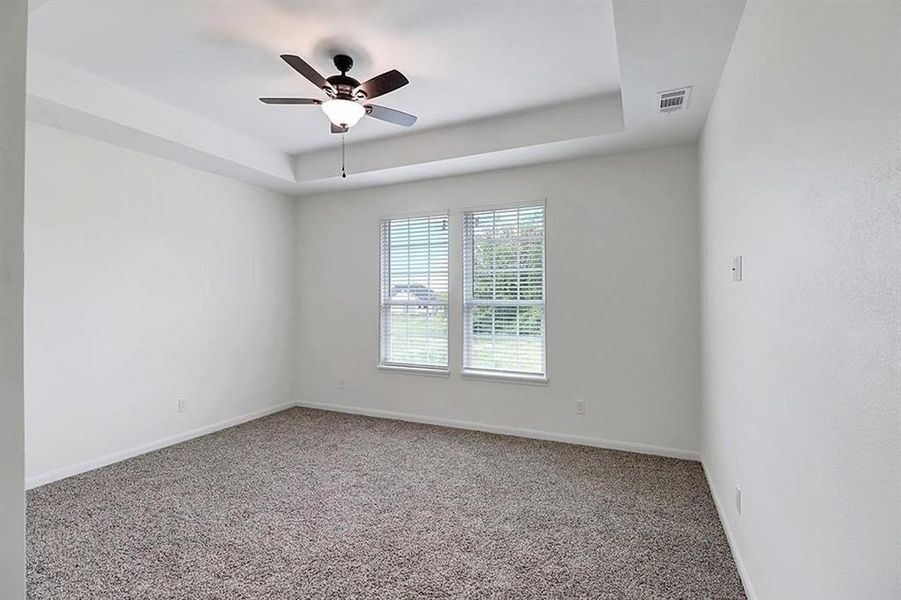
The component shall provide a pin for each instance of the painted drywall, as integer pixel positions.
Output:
(622, 294)
(13, 33)
(146, 282)
(801, 175)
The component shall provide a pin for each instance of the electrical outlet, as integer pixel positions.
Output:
(736, 268)
(182, 405)
(580, 407)
(738, 499)
(342, 385)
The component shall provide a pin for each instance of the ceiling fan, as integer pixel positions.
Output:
(347, 97)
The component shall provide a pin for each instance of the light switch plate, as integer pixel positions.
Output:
(736, 268)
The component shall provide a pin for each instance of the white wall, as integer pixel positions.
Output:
(622, 288)
(13, 28)
(146, 281)
(802, 176)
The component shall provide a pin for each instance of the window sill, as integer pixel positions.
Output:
(425, 371)
(499, 377)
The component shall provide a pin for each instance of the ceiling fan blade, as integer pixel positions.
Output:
(338, 128)
(290, 101)
(307, 71)
(390, 115)
(384, 83)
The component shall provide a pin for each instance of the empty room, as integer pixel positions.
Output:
(535, 299)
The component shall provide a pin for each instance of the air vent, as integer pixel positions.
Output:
(672, 100)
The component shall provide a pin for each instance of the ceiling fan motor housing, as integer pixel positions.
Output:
(343, 84)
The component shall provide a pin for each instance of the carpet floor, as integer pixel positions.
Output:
(314, 504)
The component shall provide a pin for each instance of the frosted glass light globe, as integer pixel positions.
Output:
(343, 113)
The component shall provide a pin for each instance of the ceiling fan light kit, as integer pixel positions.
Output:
(343, 113)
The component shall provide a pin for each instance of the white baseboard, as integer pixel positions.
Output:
(108, 459)
(566, 438)
(730, 537)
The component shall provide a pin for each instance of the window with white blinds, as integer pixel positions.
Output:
(414, 279)
(503, 295)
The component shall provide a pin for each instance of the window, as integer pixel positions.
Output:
(414, 274)
(503, 295)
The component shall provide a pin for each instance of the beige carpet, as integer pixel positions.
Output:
(312, 504)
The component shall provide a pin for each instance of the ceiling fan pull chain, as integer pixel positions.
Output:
(343, 174)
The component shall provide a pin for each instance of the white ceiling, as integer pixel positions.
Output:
(494, 84)
(465, 60)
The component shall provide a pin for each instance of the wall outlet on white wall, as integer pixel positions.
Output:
(182, 405)
(580, 407)
(738, 499)
(342, 384)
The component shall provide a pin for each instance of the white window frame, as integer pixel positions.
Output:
(384, 271)
(494, 374)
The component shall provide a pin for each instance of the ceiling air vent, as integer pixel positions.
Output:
(672, 100)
